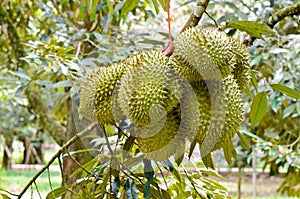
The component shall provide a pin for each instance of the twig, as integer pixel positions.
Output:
(56, 155)
(37, 189)
(278, 16)
(191, 181)
(196, 15)
(82, 167)
(163, 176)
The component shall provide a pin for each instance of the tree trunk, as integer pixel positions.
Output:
(32, 151)
(7, 155)
(69, 166)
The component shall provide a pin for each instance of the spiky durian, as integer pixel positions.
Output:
(148, 88)
(211, 54)
(159, 143)
(221, 112)
(97, 90)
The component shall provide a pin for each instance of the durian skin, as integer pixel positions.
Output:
(148, 87)
(217, 129)
(213, 54)
(97, 92)
(161, 144)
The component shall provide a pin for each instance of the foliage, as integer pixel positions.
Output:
(49, 46)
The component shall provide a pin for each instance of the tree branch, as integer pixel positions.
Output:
(196, 15)
(38, 106)
(285, 12)
(277, 17)
(56, 155)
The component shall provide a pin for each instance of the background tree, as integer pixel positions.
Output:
(47, 47)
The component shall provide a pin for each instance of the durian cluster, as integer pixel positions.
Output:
(193, 95)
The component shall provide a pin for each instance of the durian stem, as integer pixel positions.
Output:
(194, 20)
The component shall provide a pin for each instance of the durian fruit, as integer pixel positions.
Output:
(212, 54)
(158, 144)
(221, 113)
(97, 91)
(148, 89)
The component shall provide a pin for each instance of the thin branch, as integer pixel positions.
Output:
(162, 174)
(196, 15)
(76, 162)
(56, 155)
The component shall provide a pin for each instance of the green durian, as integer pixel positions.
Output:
(159, 143)
(97, 92)
(148, 89)
(212, 54)
(221, 112)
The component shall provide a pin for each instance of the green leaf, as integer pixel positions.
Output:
(130, 189)
(212, 173)
(254, 81)
(288, 110)
(177, 174)
(128, 6)
(244, 141)
(168, 165)
(148, 170)
(128, 145)
(252, 28)
(55, 193)
(286, 90)
(146, 190)
(4, 196)
(164, 4)
(208, 161)
(179, 159)
(155, 3)
(258, 108)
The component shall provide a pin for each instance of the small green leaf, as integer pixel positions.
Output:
(288, 110)
(146, 190)
(155, 3)
(177, 174)
(244, 141)
(252, 28)
(258, 108)
(286, 90)
(178, 159)
(4, 196)
(254, 81)
(128, 6)
(164, 4)
(148, 170)
(56, 193)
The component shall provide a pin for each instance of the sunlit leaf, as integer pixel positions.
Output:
(258, 108)
(128, 6)
(252, 28)
(164, 4)
(56, 193)
(286, 90)
(156, 6)
(244, 141)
